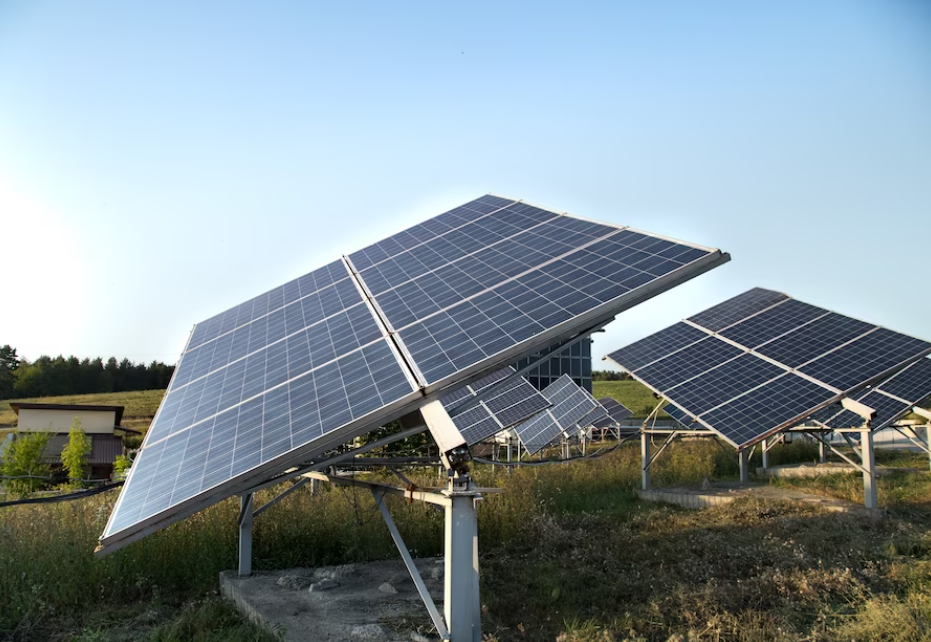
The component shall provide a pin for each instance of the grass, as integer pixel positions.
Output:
(567, 553)
(633, 394)
(140, 405)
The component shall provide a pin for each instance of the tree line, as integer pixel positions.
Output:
(53, 377)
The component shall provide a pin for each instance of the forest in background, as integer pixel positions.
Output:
(56, 376)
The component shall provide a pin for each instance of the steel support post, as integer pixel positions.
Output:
(744, 457)
(928, 443)
(765, 450)
(822, 451)
(645, 460)
(245, 535)
(461, 597)
(869, 466)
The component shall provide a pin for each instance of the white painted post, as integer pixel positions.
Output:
(461, 604)
(245, 535)
(869, 474)
(765, 449)
(744, 456)
(822, 449)
(928, 443)
(645, 460)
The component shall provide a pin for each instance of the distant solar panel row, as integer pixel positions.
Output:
(762, 361)
(317, 361)
(570, 405)
(504, 404)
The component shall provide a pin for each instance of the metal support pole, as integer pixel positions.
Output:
(822, 451)
(928, 443)
(461, 597)
(765, 450)
(744, 457)
(245, 535)
(869, 465)
(645, 460)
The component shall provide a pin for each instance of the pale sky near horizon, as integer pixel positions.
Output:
(163, 161)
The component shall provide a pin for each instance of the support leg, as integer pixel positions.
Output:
(461, 604)
(869, 464)
(822, 451)
(245, 535)
(928, 443)
(765, 451)
(744, 456)
(645, 460)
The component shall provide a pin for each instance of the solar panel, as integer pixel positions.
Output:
(892, 399)
(684, 418)
(570, 404)
(765, 362)
(290, 374)
(509, 403)
(616, 410)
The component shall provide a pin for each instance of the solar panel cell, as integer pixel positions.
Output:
(772, 322)
(757, 412)
(656, 346)
(740, 307)
(913, 384)
(866, 358)
(687, 363)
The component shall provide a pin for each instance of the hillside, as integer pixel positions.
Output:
(140, 405)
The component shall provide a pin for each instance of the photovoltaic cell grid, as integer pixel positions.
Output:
(742, 376)
(277, 378)
(509, 403)
(891, 399)
(570, 404)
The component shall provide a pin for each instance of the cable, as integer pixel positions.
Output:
(513, 464)
(63, 498)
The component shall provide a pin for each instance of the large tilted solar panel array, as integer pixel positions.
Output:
(762, 361)
(292, 373)
(570, 405)
(509, 401)
(892, 399)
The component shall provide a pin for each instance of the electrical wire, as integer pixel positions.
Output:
(63, 498)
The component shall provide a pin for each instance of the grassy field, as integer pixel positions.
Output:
(633, 394)
(140, 406)
(567, 553)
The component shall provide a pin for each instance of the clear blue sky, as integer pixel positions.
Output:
(163, 161)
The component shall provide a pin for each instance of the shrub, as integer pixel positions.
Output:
(23, 462)
(75, 455)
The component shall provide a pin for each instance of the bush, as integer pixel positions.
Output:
(75, 455)
(23, 461)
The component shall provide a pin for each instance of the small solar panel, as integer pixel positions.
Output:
(570, 404)
(507, 403)
(615, 409)
(684, 418)
(766, 362)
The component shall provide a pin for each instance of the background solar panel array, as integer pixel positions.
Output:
(617, 412)
(508, 403)
(570, 404)
(259, 384)
(736, 366)
(892, 399)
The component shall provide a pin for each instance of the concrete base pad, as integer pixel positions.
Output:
(817, 470)
(375, 602)
(721, 493)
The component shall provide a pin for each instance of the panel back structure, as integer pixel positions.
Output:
(763, 361)
(282, 379)
(616, 413)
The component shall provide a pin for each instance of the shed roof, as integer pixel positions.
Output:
(16, 405)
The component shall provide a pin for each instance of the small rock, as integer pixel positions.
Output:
(372, 632)
(324, 585)
(387, 588)
(293, 582)
(436, 572)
